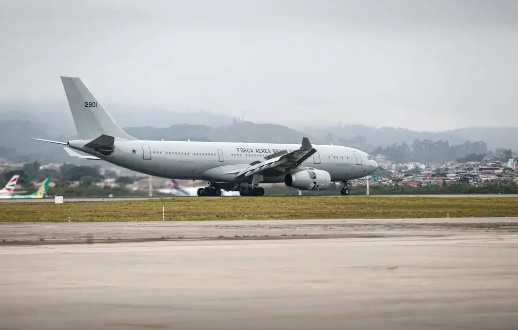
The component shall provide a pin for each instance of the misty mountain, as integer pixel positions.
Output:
(367, 138)
(495, 137)
(58, 117)
(46, 121)
(250, 132)
(182, 132)
(381, 136)
(236, 132)
(15, 142)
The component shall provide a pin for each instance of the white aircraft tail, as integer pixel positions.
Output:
(9, 187)
(90, 118)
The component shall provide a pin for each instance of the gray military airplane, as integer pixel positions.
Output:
(225, 165)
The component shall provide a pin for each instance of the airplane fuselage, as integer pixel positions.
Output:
(214, 161)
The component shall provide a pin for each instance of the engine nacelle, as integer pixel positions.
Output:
(308, 180)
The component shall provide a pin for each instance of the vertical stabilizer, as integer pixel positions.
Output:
(89, 115)
(42, 190)
(9, 187)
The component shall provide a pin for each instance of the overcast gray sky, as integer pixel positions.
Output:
(425, 65)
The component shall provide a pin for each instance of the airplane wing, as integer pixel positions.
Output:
(279, 162)
(74, 153)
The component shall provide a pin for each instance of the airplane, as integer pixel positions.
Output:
(40, 193)
(224, 165)
(8, 190)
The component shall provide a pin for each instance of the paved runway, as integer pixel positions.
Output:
(43, 233)
(399, 274)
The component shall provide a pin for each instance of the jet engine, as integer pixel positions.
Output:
(308, 180)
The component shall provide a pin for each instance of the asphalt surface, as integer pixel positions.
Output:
(41, 233)
(374, 274)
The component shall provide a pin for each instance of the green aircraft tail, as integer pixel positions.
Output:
(42, 190)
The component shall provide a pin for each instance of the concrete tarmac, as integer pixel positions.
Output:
(41, 233)
(409, 274)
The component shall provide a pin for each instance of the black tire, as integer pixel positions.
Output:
(242, 191)
(217, 192)
(260, 191)
(201, 192)
(344, 191)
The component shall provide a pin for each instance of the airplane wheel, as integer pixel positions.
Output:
(217, 192)
(242, 191)
(260, 191)
(201, 192)
(344, 191)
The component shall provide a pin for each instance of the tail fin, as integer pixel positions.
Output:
(90, 117)
(42, 190)
(9, 187)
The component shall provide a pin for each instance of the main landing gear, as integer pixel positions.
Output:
(345, 190)
(209, 191)
(251, 191)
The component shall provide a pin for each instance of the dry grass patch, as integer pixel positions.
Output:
(263, 208)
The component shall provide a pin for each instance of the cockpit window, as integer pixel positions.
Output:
(369, 157)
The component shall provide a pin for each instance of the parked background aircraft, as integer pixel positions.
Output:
(225, 165)
(40, 193)
(176, 189)
(8, 190)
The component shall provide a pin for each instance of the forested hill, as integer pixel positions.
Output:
(18, 125)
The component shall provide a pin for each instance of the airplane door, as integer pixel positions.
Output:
(358, 158)
(220, 155)
(316, 158)
(146, 152)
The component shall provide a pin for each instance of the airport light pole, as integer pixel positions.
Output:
(368, 192)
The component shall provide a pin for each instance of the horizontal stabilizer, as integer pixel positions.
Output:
(51, 141)
(105, 144)
(73, 153)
